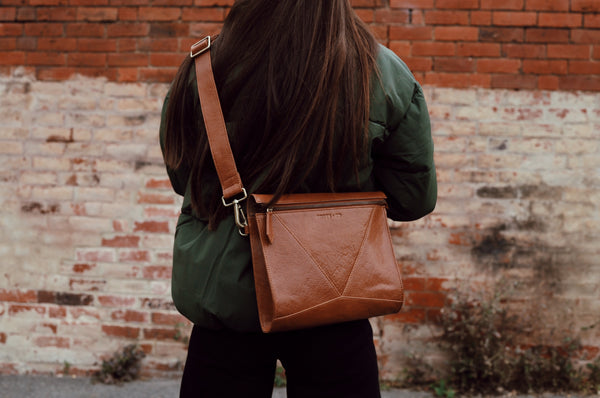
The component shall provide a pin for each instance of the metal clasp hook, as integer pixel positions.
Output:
(238, 212)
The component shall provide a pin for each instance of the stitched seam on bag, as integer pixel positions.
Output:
(362, 246)
(310, 256)
(334, 299)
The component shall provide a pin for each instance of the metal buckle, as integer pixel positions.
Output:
(194, 51)
(238, 212)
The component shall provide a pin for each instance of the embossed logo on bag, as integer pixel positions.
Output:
(330, 215)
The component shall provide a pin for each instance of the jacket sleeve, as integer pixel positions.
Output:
(178, 177)
(403, 158)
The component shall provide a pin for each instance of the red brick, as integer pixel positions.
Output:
(522, 82)
(547, 5)
(43, 29)
(8, 44)
(584, 68)
(88, 2)
(2, 338)
(411, 33)
(565, 51)
(457, 4)
(128, 14)
(161, 333)
(81, 268)
(116, 301)
(456, 80)
(85, 29)
(498, 65)
(159, 14)
(161, 318)
(48, 2)
(164, 75)
(152, 226)
(547, 35)
(56, 14)
(425, 299)
(591, 21)
(585, 5)
(502, 5)
(409, 316)
(478, 50)
(508, 18)
(127, 45)
(165, 59)
(18, 296)
(506, 35)
(411, 4)
(128, 59)
(134, 256)
(157, 272)
(56, 44)
(596, 52)
(401, 48)
(11, 29)
(560, 20)
(26, 14)
(122, 241)
(584, 83)
(52, 341)
(154, 198)
(26, 43)
(127, 29)
(57, 312)
(46, 58)
(8, 13)
(433, 48)
(96, 45)
(545, 67)
(218, 14)
(127, 74)
(446, 17)
(24, 308)
(454, 64)
(418, 64)
(414, 284)
(130, 316)
(586, 36)
(127, 332)
(12, 58)
(97, 14)
(481, 18)
(456, 33)
(524, 50)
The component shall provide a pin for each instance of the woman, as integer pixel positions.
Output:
(312, 104)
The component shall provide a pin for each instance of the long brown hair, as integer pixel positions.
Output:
(294, 80)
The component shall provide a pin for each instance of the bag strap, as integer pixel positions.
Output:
(231, 182)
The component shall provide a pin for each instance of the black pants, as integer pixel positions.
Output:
(336, 361)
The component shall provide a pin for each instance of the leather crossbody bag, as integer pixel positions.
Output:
(318, 258)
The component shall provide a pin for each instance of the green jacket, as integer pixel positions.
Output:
(212, 280)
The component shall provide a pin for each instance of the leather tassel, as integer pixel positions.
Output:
(269, 226)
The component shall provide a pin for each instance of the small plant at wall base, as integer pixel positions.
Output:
(480, 337)
(124, 366)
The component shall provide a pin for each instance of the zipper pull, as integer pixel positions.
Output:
(269, 224)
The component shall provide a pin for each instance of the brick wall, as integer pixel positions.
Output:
(87, 215)
(525, 44)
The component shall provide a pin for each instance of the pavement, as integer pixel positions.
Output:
(68, 387)
(81, 387)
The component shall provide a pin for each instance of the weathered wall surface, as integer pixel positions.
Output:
(87, 214)
(88, 218)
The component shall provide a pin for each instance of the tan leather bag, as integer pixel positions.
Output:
(318, 258)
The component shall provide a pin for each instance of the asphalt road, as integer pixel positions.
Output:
(67, 387)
